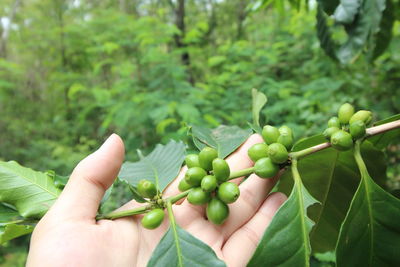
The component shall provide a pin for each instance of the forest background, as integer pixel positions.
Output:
(74, 71)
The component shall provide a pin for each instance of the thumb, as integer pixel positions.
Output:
(90, 179)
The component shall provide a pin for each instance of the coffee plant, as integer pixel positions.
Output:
(338, 208)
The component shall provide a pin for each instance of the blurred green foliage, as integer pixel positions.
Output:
(74, 71)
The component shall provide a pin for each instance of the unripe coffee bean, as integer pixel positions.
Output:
(192, 160)
(357, 129)
(265, 168)
(277, 153)
(270, 134)
(193, 176)
(217, 211)
(198, 197)
(341, 140)
(228, 192)
(362, 115)
(206, 157)
(258, 151)
(220, 169)
(345, 112)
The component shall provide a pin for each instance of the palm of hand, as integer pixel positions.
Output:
(69, 234)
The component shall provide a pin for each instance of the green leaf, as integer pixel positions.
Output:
(11, 231)
(384, 36)
(255, 128)
(258, 102)
(7, 214)
(328, 6)
(31, 192)
(324, 34)
(370, 234)
(59, 180)
(362, 30)
(193, 252)
(286, 241)
(385, 139)
(346, 11)
(333, 183)
(179, 248)
(225, 139)
(161, 166)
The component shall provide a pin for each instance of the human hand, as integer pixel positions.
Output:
(69, 235)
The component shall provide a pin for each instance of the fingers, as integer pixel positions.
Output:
(253, 192)
(89, 180)
(246, 238)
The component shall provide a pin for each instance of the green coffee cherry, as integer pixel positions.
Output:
(265, 168)
(209, 183)
(258, 151)
(192, 160)
(217, 211)
(183, 185)
(220, 169)
(362, 115)
(228, 192)
(341, 140)
(286, 140)
(357, 129)
(334, 122)
(193, 176)
(345, 112)
(285, 130)
(146, 188)
(285, 137)
(278, 153)
(198, 197)
(153, 219)
(270, 134)
(206, 156)
(328, 132)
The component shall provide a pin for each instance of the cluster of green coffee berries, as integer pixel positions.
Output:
(347, 127)
(154, 217)
(270, 155)
(207, 177)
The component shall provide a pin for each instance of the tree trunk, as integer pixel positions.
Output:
(5, 33)
(240, 19)
(180, 24)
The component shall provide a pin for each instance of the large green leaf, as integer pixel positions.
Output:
(192, 251)
(370, 234)
(31, 192)
(9, 227)
(362, 30)
(346, 11)
(328, 6)
(11, 231)
(384, 139)
(286, 240)
(333, 183)
(384, 36)
(225, 139)
(324, 34)
(7, 214)
(161, 166)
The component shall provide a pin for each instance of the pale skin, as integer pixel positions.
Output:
(69, 235)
